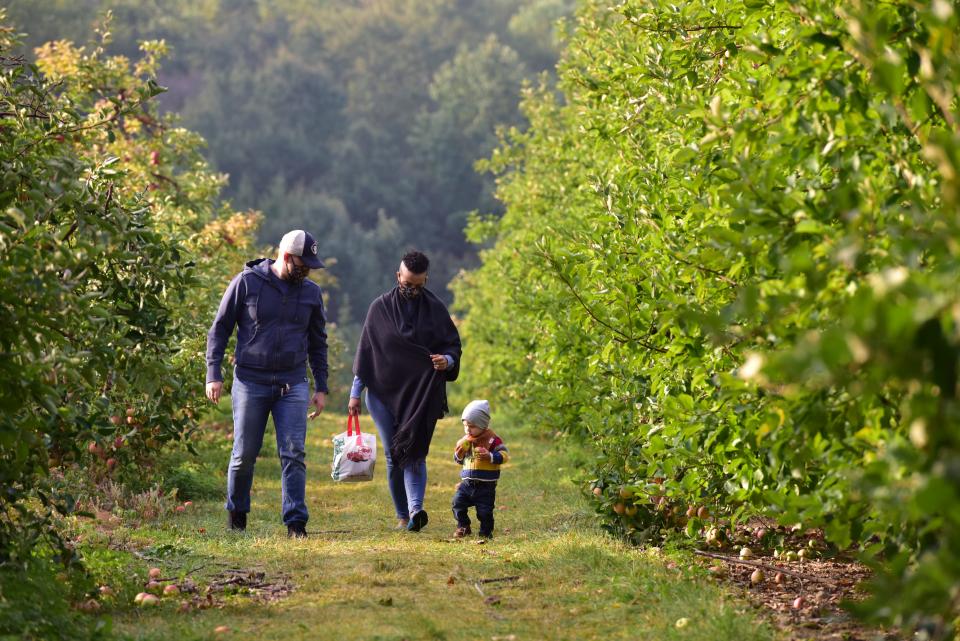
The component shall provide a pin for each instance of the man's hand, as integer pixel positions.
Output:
(319, 401)
(439, 361)
(213, 391)
(353, 407)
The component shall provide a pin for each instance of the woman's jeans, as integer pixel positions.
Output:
(252, 405)
(407, 485)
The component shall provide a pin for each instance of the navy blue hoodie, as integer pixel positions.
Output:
(278, 326)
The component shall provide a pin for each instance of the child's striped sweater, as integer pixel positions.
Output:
(481, 469)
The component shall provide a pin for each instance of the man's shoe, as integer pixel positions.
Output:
(417, 521)
(237, 521)
(461, 532)
(297, 530)
(486, 535)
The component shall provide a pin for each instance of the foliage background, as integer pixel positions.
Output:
(726, 255)
(729, 260)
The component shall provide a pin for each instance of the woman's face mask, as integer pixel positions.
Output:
(410, 285)
(409, 291)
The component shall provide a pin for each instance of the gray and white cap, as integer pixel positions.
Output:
(300, 243)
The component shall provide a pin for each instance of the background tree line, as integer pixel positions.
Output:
(358, 120)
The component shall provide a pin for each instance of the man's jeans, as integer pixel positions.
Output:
(407, 485)
(252, 404)
(481, 494)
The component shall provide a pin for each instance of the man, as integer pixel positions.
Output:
(280, 322)
(409, 348)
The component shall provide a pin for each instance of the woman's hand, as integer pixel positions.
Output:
(353, 407)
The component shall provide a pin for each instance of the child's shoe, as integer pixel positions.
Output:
(462, 532)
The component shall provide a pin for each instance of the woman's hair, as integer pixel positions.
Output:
(417, 262)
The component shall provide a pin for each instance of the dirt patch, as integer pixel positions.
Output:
(252, 583)
(805, 601)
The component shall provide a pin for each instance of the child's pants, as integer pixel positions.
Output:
(479, 494)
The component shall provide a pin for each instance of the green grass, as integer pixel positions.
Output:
(372, 582)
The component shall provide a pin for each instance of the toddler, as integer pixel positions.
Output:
(481, 453)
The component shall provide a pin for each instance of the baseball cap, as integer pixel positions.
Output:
(300, 243)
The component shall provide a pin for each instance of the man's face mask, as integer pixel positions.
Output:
(296, 273)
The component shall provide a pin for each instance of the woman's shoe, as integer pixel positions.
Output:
(402, 524)
(418, 521)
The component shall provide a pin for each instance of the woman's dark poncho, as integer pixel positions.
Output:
(393, 361)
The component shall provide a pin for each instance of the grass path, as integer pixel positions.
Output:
(371, 582)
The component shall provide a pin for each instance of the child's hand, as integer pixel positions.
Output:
(461, 449)
(481, 453)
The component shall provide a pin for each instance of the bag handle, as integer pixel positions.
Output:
(351, 420)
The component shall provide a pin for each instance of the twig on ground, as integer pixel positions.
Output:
(757, 564)
(498, 579)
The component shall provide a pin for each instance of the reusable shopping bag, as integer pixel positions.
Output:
(354, 453)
